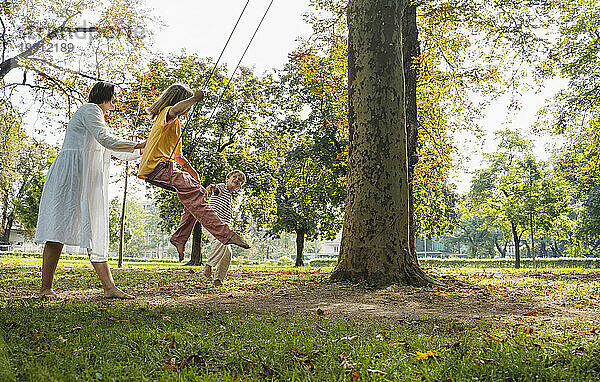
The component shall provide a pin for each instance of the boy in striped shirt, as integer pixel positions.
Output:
(222, 202)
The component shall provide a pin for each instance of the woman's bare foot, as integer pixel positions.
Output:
(237, 240)
(207, 271)
(118, 294)
(47, 293)
(180, 249)
(217, 283)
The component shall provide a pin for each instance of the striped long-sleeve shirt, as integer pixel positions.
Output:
(221, 201)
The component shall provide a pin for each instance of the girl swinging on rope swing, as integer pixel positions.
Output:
(156, 166)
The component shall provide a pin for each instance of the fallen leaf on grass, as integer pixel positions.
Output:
(375, 371)
(404, 344)
(244, 358)
(266, 367)
(346, 361)
(428, 355)
(487, 361)
(113, 320)
(188, 360)
(594, 331)
(37, 335)
(452, 346)
(354, 377)
(493, 336)
(171, 344)
(169, 319)
(305, 358)
(532, 313)
(528, 330)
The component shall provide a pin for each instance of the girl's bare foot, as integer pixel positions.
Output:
(118, 294)
(180, 249)
(207, 271)
(217, 283)
(47, 293)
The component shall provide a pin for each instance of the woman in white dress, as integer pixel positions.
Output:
(74, 204)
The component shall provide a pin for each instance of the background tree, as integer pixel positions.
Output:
(134, 227)
(516, 193)
(21, 189)
(58, 52)
(308, 200)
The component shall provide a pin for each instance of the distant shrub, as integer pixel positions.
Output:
(243, 260)
(285, 261)
(323, 262)
(557, 262)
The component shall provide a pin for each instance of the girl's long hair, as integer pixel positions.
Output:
(173, 94)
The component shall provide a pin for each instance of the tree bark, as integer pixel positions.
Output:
(299, 247)
(516, 241)
(375, 245)
(532, 230)
(196, 257)
(410, 47)
(5, 239)
(13, 62)
(501, 250)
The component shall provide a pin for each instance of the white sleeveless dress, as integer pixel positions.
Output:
(74, 204)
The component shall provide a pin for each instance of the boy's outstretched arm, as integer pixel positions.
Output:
(182, 107)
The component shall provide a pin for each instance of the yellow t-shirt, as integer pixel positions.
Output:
(163, 138)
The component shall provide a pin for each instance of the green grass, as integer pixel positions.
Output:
(83, 338)
(87, 341)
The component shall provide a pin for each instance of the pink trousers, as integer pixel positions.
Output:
(195, 206)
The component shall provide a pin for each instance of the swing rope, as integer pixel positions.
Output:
(237, 66)
(195, 109)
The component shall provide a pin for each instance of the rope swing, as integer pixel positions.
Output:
(206, 82)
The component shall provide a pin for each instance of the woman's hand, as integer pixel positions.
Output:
(140, 145)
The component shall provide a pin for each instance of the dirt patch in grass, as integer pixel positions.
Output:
(467, 294)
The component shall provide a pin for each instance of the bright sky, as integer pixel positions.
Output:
(203, 27)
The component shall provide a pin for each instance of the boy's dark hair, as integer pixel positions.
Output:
(101, 92)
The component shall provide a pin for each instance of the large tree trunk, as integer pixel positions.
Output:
(501, 250)
(5, 238)
(410, 47)
(516, 241)
(375, 244)
(299, 248)
(196, 257)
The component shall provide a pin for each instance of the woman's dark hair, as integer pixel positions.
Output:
(101, 92)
